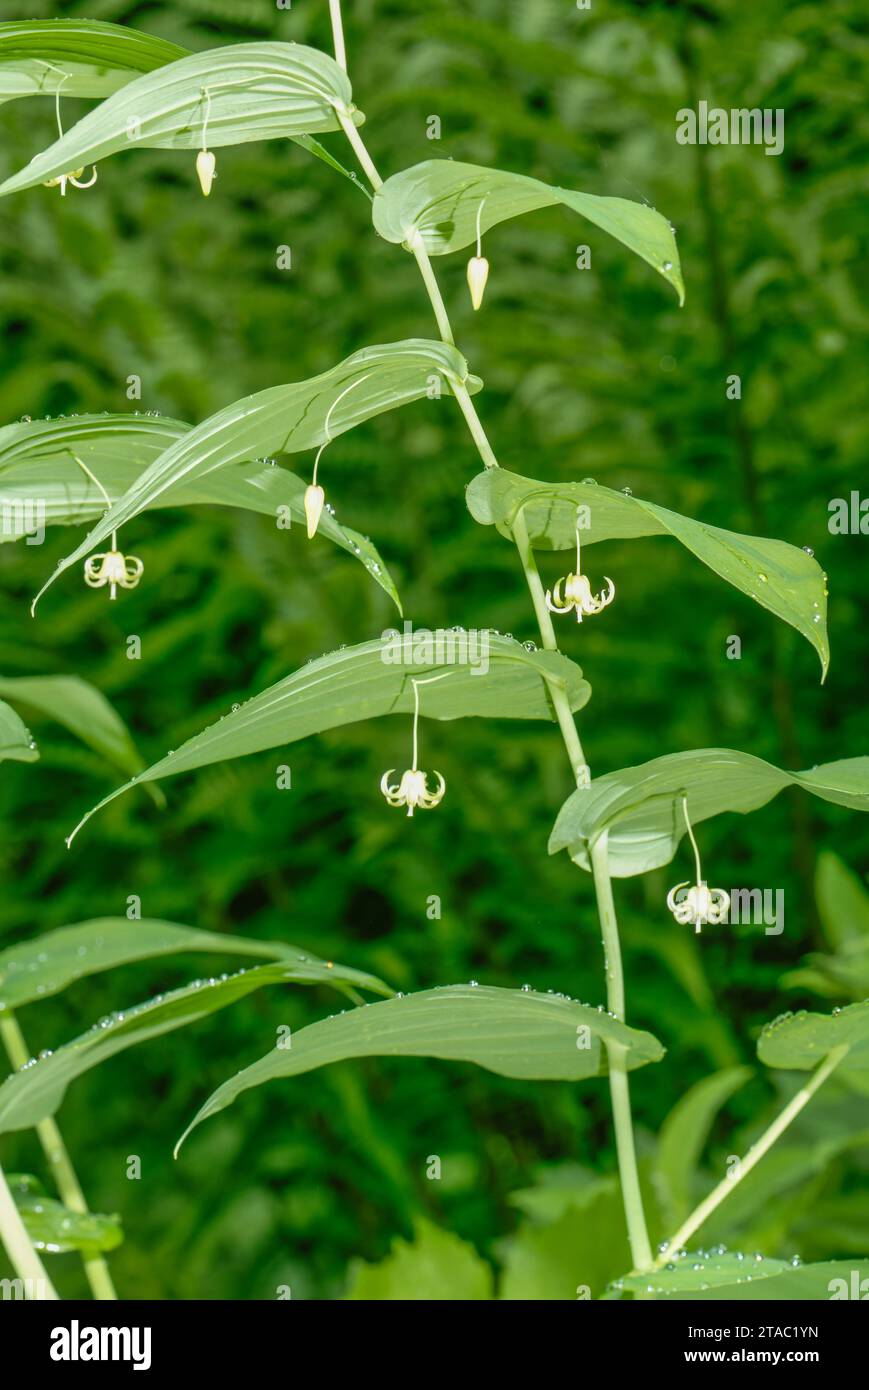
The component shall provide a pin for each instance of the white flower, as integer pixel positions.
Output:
(114, 569)
(412, 791)
(75, 178)
(574, 592)
(699, 905)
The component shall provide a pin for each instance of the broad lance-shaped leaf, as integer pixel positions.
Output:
(80, 708)
(42, 485)
(778, 576)
(641, 807)
(287, 420)
(46, 964)
(723, 1274)
(442, 198)
(800, 1041)
(225, 96)
(78, 57)
(57, 1229)
(483, 674)
(36, 1091)
(513, 1032)
(16, 740)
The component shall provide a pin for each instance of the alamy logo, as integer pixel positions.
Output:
(759, 907)
(738, 126)
(23, 516)
(454, 646)
(76, 1343)
(29, 1289)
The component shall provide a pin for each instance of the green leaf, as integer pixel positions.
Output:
(42, 485)
(518, 1033)
(79, 57)
(780, 577)
(373, 679)
(800, 1041)
(441, 198)
(843, 902)
(288, 419)
(34, 1092)
(435, 1266)
(57, 1229)
(583, 1248)
(641, 807)
(307, 142)
(16, 741)
(683, 1137)
(225, 96)
(47, 964)
(80, 708)
(730, 1274)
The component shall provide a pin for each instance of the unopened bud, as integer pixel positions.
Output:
(314, 499)
(478, 274)
(205, 164)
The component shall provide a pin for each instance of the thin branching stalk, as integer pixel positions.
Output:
(59, 1161)
(753, 1157)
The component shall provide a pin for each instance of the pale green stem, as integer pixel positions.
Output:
(25, 1260)
(641, 1250)
(59, 1161)
(338, 33)
(560, 701)
(753, 1157)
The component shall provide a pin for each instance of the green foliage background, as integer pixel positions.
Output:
(588, 373)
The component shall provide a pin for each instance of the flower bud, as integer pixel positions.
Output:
(205, 164)
(314, 498)
(478, 274)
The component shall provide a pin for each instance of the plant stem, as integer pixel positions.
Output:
(560, 701)
(641, 1250)
(338, 33)
(754, 1155)
(638, 1235)
(57, 1155)
(360, 151)
(25, 1260)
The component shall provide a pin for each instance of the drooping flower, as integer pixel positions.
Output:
(114, 569)
(412, 790)
(110, 566)
(573, 591)
(478, 268)
(699, 905)
(74, 178)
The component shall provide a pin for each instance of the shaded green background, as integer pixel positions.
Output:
(588, 373)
